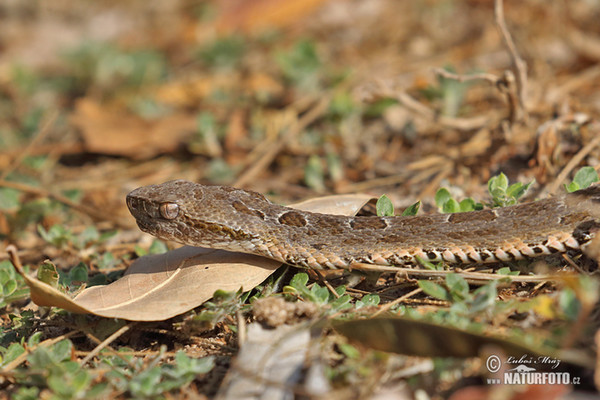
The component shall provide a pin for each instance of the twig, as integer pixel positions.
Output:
(105, 343)
(572, 164)
(463, 124)
(399, 300)
(241, 328)
(471, 277)
(520, 65)
(325, 282)
(491, 78)
(92, 212)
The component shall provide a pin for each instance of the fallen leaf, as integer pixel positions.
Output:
(158, 287)
(412, 337)
(111, 130)
(264, 14)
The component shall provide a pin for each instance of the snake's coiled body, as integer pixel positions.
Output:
(238, 220)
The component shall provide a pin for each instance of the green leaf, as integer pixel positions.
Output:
(569, 304)
(299, 280)
(458, 286)
(368, 300)
(13, 351)
(384, 206)
(26, 393)
(484, 297)
(61, 351)
(412, 209)
(314, 176)
(517, 190)
(498, 182)
(158, 247)
(79, 273)
(451, 206)
(34, 339)
(434, 290)
(426, 263)
(441, 197)
(341, 303)
(9, 199)
(507, 271)
(9, 287)
(584, 178)
(571, 187)
(320, 294)
(349, 351)
(47, 273)
(301, 64)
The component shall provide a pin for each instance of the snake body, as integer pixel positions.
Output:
(239, 220)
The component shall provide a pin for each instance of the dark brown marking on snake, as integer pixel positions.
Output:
(573, 218)
(242, 208)
(473, 259)
(319, 246)
(215, 228)
(292, 218)
(537, 249)
(431, 255)
(368, 223)
(582, 232)
(478, 216)
(353, 241)
(393, 238)
(484, 255)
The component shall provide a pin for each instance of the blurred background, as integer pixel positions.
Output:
(289, 98)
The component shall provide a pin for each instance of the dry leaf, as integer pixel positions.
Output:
(161, 286)
(110, 130)
(425, 339)
(264, 14)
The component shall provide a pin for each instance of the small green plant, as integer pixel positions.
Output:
(583, 179)
(301, 64)
(450, 91)
(456, 290)
(12, 285)
(146, 382)
(104, 66)
(317, 294)
(61, 237)
(314, 174)
(385, 208)
(368, 300)
(157, 247)
(504, 195)
(341, 106)
(447, 204)
(220, 307)
(225, 52)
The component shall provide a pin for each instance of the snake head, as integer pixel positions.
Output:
(192, 213)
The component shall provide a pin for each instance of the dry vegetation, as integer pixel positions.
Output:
(295, 100)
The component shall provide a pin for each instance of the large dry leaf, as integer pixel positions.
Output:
(110, 130)
(408, 336)
(161, 286)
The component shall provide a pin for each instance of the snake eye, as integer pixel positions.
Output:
(169, 210)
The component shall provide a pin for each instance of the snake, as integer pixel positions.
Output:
(238, 220)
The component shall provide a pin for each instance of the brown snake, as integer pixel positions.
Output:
(238, 220)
